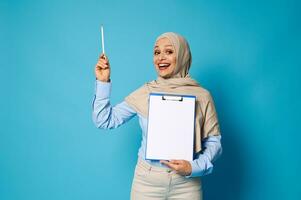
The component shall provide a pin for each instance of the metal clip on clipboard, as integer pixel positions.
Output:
(172, 98)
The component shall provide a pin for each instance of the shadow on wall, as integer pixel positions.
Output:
(227, 180)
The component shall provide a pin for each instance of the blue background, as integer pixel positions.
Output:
(246, 53)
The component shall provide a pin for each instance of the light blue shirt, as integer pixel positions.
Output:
(106, 116)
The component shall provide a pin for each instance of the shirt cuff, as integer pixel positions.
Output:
(200, 166)
(102, 89)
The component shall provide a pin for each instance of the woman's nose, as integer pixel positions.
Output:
(162, 56)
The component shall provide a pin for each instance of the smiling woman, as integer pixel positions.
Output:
(153, 179)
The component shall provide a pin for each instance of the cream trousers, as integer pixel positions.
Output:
(157, 183)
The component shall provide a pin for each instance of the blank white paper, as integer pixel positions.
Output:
(170, 131)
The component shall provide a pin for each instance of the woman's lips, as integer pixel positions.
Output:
(163, 66)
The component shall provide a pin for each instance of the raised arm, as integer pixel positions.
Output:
(104, 115)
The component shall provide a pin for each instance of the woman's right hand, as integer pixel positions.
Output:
(102, 69)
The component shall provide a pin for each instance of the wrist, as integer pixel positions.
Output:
(104, 80)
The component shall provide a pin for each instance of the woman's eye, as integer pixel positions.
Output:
(156, 52)
(169, 52)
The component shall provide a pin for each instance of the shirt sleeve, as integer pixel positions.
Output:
(203, 163)
(105, 115)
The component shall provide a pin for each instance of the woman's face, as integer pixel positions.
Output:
(164, 58)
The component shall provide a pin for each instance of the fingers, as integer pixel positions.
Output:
(179, 166)
(102, 66)
(103, 62)
(103, 57)
(178, 162)
(173, 164)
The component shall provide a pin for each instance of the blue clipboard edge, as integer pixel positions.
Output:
(176, 95)
(162, 94)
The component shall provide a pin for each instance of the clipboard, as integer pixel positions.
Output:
(170, 128)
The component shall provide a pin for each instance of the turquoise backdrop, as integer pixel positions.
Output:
(246, 53)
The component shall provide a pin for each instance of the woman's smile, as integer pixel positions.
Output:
(163, 66)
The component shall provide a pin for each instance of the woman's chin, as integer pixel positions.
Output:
(165, 76)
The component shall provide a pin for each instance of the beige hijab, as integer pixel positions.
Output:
(180, 83)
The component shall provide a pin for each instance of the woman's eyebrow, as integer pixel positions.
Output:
(168, 45)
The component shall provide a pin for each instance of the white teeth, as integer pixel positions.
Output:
(163, 65)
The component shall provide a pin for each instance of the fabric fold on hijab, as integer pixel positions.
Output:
(180, 83)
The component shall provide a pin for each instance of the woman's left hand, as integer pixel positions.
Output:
(182, 167)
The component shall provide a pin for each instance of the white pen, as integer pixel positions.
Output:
(102, 40)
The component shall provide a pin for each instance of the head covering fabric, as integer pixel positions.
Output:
(180, 82)
(183, 55)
